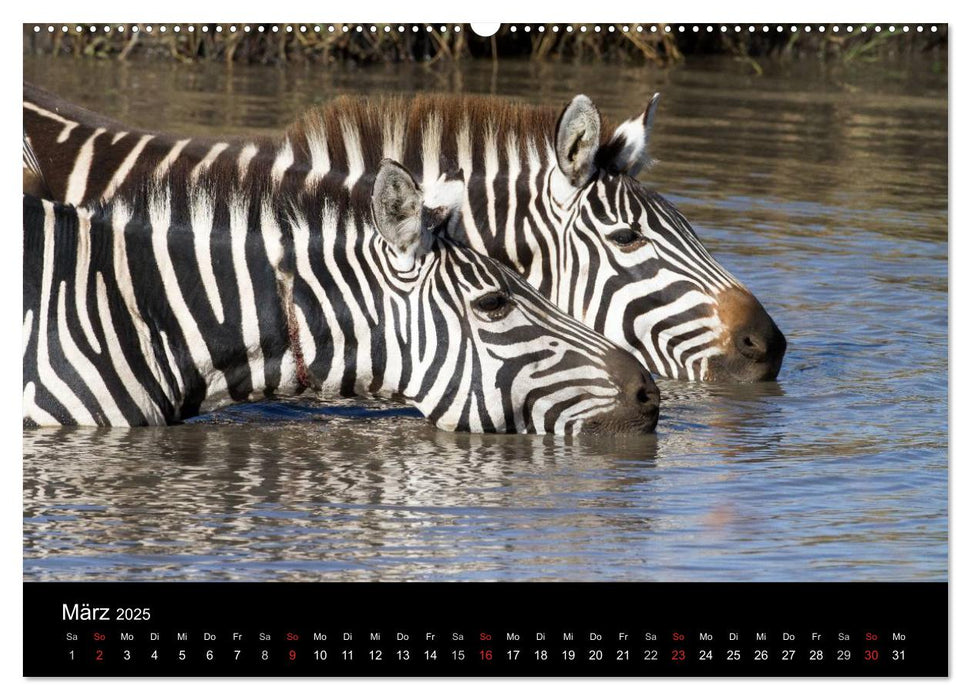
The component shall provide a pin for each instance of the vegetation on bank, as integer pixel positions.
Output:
(328, 43)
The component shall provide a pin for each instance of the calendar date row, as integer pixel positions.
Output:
(510, 655)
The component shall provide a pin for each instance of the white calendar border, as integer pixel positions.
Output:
(492, 10)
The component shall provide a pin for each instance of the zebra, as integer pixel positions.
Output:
(548, 193)
(178, 297)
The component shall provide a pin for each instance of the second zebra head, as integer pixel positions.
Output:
(658, 291)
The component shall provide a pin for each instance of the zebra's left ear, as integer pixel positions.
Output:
(627, 149)
(577, 139)
(407, 216)
(396, 204)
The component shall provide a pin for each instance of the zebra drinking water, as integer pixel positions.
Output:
(176, 298)
(551, 194)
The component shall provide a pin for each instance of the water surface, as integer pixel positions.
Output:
(822, 186)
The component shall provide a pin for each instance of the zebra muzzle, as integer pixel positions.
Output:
(638, 399)
(753, 344)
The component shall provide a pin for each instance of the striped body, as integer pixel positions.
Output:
(545, 195)
(177, 298)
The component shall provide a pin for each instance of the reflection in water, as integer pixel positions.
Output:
(823, 188)
(330, 496)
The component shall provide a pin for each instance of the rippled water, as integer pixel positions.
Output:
(822, 186)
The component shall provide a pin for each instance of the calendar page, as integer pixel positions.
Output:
(519, 349)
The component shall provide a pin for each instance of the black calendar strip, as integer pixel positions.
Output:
(477, 629)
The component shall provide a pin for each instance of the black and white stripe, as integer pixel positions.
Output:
(548, 194)
(176, 298)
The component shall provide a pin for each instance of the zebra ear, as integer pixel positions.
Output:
(626, 151)
(396, 201)
(577, 139)
(407, 216)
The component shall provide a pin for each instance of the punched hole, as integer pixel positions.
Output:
(485, 29)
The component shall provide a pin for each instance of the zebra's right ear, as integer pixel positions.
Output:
(626, 151)
(577, 139)
(396, 200)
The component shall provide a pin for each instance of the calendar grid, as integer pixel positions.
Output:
(565, 629)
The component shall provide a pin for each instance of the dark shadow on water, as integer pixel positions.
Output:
(301, 409)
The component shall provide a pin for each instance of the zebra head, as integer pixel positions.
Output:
(657, 290)
(484, 350)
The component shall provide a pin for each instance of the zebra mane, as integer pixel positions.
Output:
(185, 191)
(400, 127)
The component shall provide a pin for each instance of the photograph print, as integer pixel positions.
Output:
(561, 303)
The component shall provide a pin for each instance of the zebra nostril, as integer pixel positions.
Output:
(752, 346)
(646, 397)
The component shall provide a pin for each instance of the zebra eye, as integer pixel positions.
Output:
(495, 305)
(626, 238)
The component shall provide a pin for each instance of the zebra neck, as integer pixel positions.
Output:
(231, 300)
(163, 323)
(517, 220)
(348, 307)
